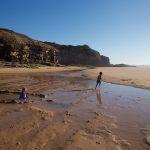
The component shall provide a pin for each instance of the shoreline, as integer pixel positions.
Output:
(129, 76)
(134, 86)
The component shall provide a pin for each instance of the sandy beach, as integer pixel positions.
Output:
(133, 76)
(66, 113)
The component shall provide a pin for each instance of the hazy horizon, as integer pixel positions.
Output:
(117, 29)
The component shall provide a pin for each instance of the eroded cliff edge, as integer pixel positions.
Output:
(19, 48)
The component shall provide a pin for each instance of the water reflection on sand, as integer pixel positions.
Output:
(130, 105)
(98, 95)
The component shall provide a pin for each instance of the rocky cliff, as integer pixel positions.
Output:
(15, 47)
(80, 55)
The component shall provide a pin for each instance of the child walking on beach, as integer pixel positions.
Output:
(23, 94)
(99, 78)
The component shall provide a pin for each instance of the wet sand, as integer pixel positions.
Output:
(72, 115)
(65, 119)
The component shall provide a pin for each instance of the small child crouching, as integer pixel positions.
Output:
(23, 94)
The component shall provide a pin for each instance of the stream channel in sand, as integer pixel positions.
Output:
(130, 106)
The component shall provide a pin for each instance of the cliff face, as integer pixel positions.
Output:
(16, 47)
(83, 55)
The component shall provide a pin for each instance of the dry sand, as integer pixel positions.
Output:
(71, 121)
(133, 76)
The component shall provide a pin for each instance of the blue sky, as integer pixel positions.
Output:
(119, 29)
